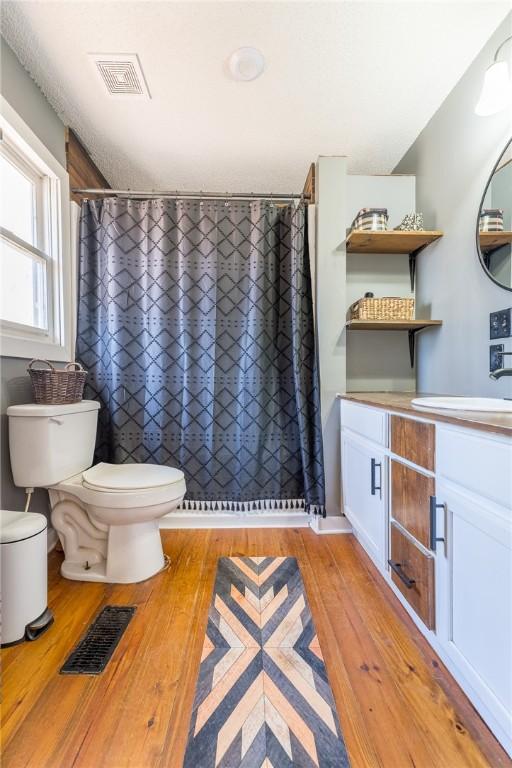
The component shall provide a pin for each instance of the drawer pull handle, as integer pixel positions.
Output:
(434, 538)
(374, 486)
(397, 568)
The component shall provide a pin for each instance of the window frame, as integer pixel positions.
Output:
(52, 234)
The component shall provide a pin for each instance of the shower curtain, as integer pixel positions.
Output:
(195, 323)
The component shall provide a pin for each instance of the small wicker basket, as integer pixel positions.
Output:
(387, 308)
(52, 386)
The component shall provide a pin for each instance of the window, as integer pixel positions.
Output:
(35, 274)
(24, 248)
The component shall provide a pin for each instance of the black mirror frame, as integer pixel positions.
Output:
(479, 250)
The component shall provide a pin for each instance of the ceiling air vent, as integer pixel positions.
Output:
(121, 74)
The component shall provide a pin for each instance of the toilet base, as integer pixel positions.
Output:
(97, 546)
(134, 553)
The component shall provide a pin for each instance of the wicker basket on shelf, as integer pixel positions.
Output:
(52, 386)
(386, 308)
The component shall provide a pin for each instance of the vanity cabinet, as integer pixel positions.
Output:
(412, 573)
(441, 536)
(364, 468)
(412, 489)
(413, 441)
(475, 611)
(411, 492)
(474, 569)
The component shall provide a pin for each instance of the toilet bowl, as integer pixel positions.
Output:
(107, 516)
(107, 519)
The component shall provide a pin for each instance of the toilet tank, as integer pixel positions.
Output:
(49, 443)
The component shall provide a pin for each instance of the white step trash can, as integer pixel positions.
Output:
(24, 577)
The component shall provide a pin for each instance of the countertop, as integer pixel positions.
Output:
(401, 403)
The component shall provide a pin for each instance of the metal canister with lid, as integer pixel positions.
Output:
(491, 220)
(371, 220)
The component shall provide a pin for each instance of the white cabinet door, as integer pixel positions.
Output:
(475, 601)
(364, 494)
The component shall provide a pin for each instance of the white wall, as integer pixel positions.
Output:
(17, 87)
(330, 290)
(357, 360)
(452, 159)
(379, 360)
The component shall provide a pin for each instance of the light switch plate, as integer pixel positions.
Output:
(500, 324)
(495, 357)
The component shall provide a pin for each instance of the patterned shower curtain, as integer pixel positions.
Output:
(195, 323)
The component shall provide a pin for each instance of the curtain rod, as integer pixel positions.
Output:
(194, 195)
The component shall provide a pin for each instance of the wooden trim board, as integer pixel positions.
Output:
(83, 172)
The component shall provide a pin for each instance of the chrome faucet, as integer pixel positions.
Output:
(501, 371)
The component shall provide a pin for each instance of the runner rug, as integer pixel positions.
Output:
(262, 698)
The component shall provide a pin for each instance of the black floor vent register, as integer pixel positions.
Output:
(93, 652)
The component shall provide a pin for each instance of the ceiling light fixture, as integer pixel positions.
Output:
(496, 91)
(246, 63)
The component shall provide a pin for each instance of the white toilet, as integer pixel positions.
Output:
(106, 516)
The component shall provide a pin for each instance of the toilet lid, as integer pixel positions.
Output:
(16, 526)
(130, 477)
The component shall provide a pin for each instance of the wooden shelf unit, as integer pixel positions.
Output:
(491, 241)
(391, 325)
(392, 241)
(411, 326)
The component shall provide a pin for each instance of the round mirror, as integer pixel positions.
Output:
(494, 225)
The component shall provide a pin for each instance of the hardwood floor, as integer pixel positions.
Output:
(397, 705)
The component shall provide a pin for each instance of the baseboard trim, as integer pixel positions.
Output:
(334, 524)
(177, 520)
(318, 524)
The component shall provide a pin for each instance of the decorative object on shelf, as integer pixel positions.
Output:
(491, 220)
(386, 308)
(412, 222)
(53, 386)
(371, 220)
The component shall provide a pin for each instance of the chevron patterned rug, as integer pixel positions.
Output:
(262, 699)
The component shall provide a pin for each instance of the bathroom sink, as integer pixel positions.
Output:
(490, 404)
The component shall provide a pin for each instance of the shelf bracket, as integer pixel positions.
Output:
(412, 344)
(412, 263)
(487, 252)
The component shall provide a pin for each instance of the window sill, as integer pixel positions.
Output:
(11, 346)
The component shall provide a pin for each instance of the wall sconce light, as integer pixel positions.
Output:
(496, 91)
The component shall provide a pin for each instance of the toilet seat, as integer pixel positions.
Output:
(117, 487)
(122, 478)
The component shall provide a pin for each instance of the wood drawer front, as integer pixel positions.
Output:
(410, 500)
(414, 564)
(367, 422)
(414, 441)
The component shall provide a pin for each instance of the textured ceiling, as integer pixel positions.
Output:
(354, 78)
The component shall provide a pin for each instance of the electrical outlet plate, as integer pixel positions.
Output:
(500, 324)
(495, 357)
